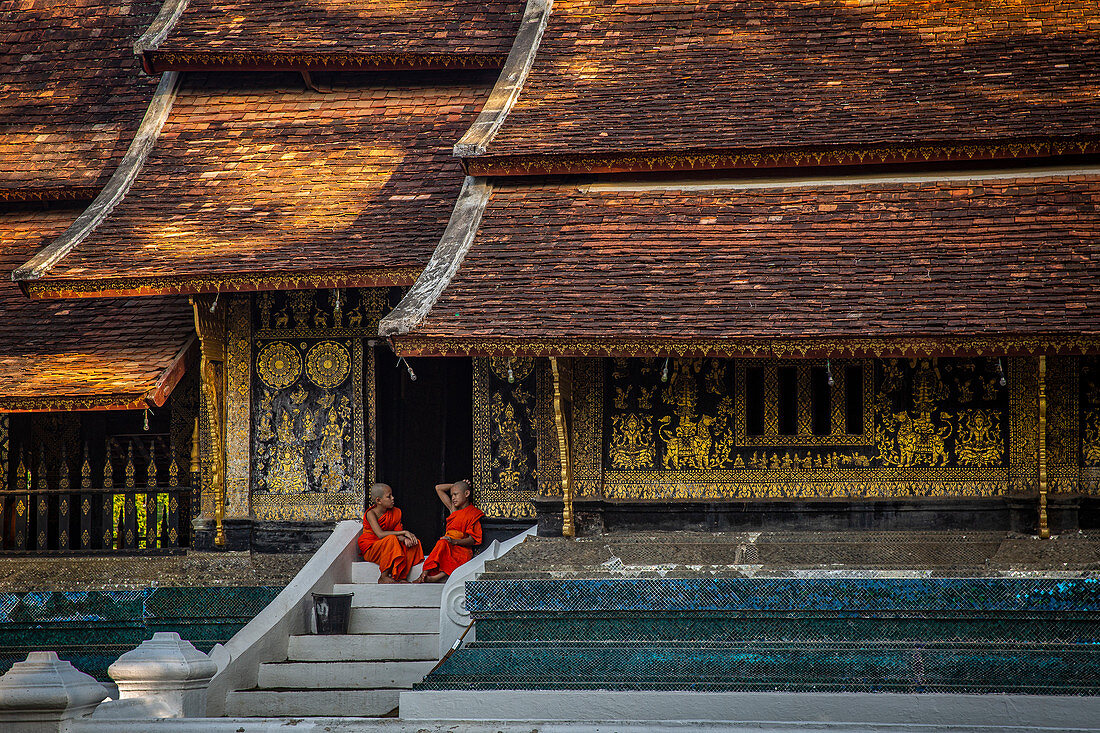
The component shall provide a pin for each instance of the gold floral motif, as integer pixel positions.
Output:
(512, 370)
(278, 365)
(978, 439)
(1090, 449)
(632, 444)
(328, 364)
(511, 461)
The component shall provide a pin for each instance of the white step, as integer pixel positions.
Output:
(369, 572)
(402, 595)
(310, 703)
(363, 647)
(394, 621)
(341, 675)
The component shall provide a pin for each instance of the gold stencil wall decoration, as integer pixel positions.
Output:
(278, 365)
(308, 448)
(328, 364)
(930, 428)
(1023, 386)
(586, 429)
(504, 437)
(1063, 426)
(238, 406)
(548, 465)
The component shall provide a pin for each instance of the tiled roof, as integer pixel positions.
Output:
(257, 32)
(884, 259)
(631, 77)
(72, 354)
(71, 93)
(260, 182)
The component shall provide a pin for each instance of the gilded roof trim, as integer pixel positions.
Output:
(786, 348)
(457, 239)
(157, 61)
(116, 188)
(214, 283)
(512, 76)
(710, 160)
(69, 403)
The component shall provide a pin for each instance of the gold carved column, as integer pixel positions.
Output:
(210, 316)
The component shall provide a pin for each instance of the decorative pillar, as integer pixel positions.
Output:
(168, 672)
(210, 326)
(1044, 527)
(44, 694)
(561, 386)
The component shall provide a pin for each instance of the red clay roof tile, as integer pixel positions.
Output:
(258, 177)
(243, 31)
(660, 76)
(887, 259)
(99, 349)
(71, 93)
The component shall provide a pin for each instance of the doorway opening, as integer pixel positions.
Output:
(425, 434)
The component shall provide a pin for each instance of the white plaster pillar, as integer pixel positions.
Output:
(45, 694)
(168, 672)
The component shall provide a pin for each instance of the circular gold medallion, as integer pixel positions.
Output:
(328, 364)
(279, 365)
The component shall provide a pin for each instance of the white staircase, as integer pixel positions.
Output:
(392, 644)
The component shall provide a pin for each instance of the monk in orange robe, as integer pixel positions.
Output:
(384, 541)
(463, 533)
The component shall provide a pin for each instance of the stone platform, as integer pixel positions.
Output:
(92, 609)
(897, 612)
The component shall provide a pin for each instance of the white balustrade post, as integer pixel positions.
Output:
(166, 672)
(45, 694)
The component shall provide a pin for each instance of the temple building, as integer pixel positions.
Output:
(629, 266)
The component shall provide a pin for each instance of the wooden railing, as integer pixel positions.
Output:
(44, 512)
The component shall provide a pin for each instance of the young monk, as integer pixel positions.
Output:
(384, 541)
(463, 533)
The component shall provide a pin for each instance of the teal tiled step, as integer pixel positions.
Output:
(1020, 668)
(795, 627)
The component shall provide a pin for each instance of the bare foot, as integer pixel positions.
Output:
(387, 578)
(435, 578)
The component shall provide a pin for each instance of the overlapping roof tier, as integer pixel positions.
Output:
(71, 95)
(918, 265)
(64, 355)
(339, 35)
(259, 182)
(637, 85)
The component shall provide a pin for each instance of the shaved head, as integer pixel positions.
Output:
(377, 491)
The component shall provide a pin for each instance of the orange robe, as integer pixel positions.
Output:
(389, 552)
(446, 557)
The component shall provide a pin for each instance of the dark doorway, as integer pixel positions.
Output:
(425, 435)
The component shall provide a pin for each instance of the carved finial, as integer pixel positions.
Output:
(108, 469)
(151, 469)
(86, 471)
(130, 466)
(21, 475)
(42, 485)
(63, 474)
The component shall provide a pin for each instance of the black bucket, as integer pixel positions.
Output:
(332, 612)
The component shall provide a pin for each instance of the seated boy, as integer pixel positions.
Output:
(463, 533)
(383, 539)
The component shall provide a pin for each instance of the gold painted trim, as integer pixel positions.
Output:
(1044, 528)
(567, 527)
(721, 159)
(46, 403)
(212, 283)
(210, 325)
(790, 348)
(238, 406)
(194, 60)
